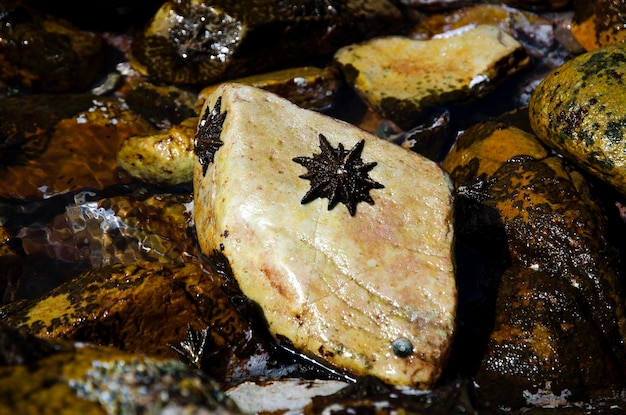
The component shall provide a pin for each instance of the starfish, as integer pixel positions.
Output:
(207, 140)
(339, 175)
(193, 347)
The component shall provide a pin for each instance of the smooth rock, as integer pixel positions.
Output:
(164, 157)
(401, 78)
(579, 110)
(369, 293)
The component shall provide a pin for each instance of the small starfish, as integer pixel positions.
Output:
(478, 190)
(207, 140)
(339, 175)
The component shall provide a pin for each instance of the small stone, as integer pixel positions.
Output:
(162, 157)
(338, 287)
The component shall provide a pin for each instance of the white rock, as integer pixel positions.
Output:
(339, 288)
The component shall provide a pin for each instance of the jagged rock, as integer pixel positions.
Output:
(367, 287)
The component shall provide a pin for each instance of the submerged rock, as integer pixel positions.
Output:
(579, 110)
(50, 377)
(46, 53)
(365, 287)
(71, 145)
(401, 78)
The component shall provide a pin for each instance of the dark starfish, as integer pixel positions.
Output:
(339, 175)
(207, 140)
(477, 190)
(193, 347)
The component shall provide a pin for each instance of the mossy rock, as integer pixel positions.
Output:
(580, 110)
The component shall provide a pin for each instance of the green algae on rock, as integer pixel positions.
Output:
(580, 111)
(401, 78)
(192, 42)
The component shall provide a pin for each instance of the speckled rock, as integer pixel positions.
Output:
(367, 288)
(579, 110)
(401, 78)
(599, 23)
(520, 204)
(541, 343)
(39, 377)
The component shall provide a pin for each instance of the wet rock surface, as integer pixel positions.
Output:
(547, 221)
(68, 210)
(599, 24)
(310, 253)
(48, 377)
(578, 110)
(402, 78)
(193, 42)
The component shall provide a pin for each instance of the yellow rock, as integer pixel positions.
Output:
(401, 77)
(580, 110)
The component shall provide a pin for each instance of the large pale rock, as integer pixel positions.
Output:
(372, 293)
